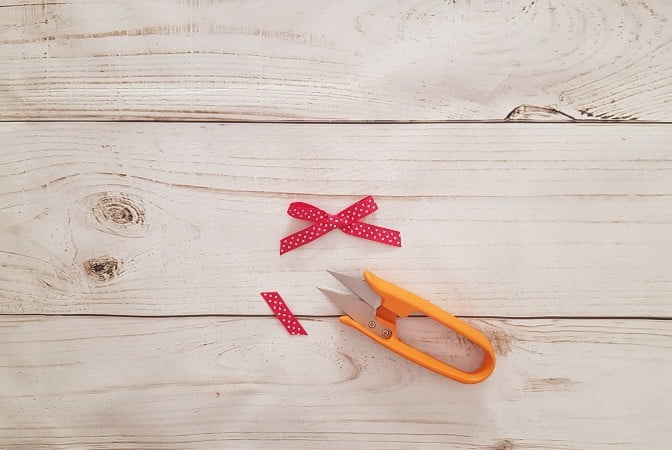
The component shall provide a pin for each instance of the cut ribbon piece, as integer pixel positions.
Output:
(348, 221)
(282, 312)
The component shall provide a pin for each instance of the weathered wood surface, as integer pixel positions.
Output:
(243, 383)
(346, 60)
(549, 223)
(159, 219)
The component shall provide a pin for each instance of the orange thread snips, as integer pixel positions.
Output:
(373, 307)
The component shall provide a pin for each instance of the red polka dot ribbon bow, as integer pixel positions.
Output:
(348, 221)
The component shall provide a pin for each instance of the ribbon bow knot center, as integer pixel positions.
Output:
(337, 220)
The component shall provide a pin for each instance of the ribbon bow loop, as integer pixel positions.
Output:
(306, 211)
(347, 221)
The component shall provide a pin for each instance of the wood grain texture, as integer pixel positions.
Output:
(244, 383)
(164, 219)
(350, 60)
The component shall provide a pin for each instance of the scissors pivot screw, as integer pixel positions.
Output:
(372, 324)
(386, 333)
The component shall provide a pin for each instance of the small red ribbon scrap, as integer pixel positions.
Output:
(282, 312)
(348, 221)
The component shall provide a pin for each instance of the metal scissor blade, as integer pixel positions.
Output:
(359, 287)
(351, 305)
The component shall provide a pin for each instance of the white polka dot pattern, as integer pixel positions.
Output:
(347, 220)
(282, 312)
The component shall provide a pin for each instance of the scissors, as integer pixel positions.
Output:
(373, 308)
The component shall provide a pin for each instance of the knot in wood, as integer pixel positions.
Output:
(102, 268)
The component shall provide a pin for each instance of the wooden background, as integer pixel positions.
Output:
(149, 150)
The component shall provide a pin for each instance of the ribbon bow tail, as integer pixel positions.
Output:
(374, 233)
(304, 236)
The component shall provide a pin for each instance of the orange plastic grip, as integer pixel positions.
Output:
(402, 303)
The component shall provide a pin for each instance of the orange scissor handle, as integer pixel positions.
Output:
(397, 302)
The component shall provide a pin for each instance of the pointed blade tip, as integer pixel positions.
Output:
(323, 290)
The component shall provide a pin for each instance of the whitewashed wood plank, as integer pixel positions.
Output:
(206, 383)
(350, 60)
(507, 220)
